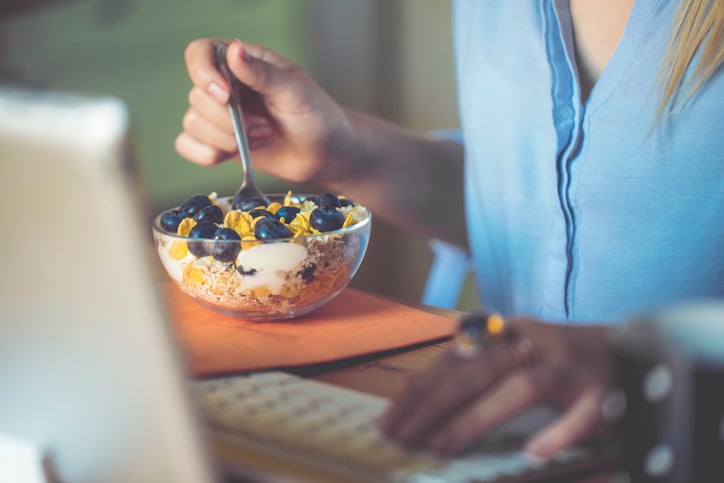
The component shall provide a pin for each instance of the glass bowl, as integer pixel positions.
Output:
(268, 279)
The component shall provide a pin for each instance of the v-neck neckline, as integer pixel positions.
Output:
(621, 59)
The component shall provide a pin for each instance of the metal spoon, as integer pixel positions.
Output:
(248, 196)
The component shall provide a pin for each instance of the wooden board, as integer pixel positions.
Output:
(353, 324)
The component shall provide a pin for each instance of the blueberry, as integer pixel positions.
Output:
(345, 202)
(244, 272)
(170, 220)
(211, 214)
(326, 220)
(257, 212)
(227, 245)
(327, 200)
(288, 213)
(307, 272)
(202, 231)
(194, 204)
(270, 229)
(248, 204)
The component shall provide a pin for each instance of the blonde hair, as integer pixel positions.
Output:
(698, 26)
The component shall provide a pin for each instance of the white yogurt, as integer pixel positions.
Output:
(271, 261)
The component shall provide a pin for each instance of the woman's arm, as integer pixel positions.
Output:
(412, 180)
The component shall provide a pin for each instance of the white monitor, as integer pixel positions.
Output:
(89, 375)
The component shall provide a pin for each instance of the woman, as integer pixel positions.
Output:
(591, 181)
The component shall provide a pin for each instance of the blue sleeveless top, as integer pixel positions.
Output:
(584, 212)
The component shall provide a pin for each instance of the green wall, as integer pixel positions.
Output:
(137, 54)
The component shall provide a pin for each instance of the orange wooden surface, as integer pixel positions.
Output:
(353, 324)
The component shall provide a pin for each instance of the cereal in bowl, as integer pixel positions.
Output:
(271, 262)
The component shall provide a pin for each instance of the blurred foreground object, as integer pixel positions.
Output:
(668, 400)
(93, 389)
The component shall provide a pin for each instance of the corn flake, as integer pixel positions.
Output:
(185, 226)
(193, 275)
(300, 225)
(274, 207)
(240, 222)
(178, 250)
(349, 221)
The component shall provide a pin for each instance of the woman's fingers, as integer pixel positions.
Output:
(579, 420)
(283, 88)
(522, 389)
(218, 114)
(417, 388)
(200, 56)
(198, 152)
(437, 406)
(261, 69)
(450, 386)
(210, 109)
(450, 406)
(208, 123)
(207, 133)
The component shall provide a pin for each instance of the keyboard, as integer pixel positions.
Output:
(319, 422)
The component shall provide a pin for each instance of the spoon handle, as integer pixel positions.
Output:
(237, 119)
